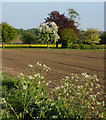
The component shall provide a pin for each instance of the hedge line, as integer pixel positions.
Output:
(84, 46)
(30, 46)
(73, 46)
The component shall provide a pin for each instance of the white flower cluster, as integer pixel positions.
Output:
(31, 66)
(45, 67)
(48, 31)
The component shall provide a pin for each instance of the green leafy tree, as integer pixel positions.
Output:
(0, 33)
(8, 33)
(28, 38)
(92, 36)
(47, 33)
(68, 37)
(20, 31)
(73, 15)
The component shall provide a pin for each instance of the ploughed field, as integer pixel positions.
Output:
(61, 62)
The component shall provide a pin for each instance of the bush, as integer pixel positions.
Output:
(86, 46)
(100, 46)
(29, 98)
(93, 46)
(81, 46)
(75, 46)
(65, 45)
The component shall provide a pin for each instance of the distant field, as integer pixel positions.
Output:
(62, 62)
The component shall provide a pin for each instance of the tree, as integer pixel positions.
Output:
(103, 38)
(8, 33)
(47, 32)
(92, 36)
(0, 33)
(68, 37)
(73, 15)
(28, 38)
(62, 22)
(20, 31)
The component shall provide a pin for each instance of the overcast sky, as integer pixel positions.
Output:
(30, 14)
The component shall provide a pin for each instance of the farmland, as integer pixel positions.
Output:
(61, 62)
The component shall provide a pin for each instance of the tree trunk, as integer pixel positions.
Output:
(2, 44)
(57, 44)
(47, 44)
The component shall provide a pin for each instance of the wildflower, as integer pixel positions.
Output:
(78, 86)
(47, 83)
(57, 88)
(39, 64)
(54, 117)
(31, 66)
(92, 108)
(42, 93)
(30, 77)
(37, 117)
(42, 77)
(66, 77)
(98, 86)
(98, 93)
(90, 89)
(3, 99)
(37, 75)
(103, 103)
(64, 91)
(98, 103)
(95, 76)
(52, 104)
(21, 74)
(39, 82)
(24, 87)
(62, 87)
(43, 81)
(91, 84)
(83, 74)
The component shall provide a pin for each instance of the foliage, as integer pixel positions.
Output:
(75, 46)
(84, 46)
(28, 38)
(29, 98)
(62, 22)
(32, 30)
(47, 32)
(20, 31)
(8, 33)
(93, 46)
(103, 38)
(100, 46)
(73, 15)
(92, 36)
(0, 33)
(68, 36)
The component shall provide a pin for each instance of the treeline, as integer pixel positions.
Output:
(56, 28)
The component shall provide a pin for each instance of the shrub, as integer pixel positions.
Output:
(75, 46)
(66, 45)
(86, 46)
(93, 46)
(81, 46)
(100, 46)
(29, 98)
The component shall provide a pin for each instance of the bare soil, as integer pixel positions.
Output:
(61, 62)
